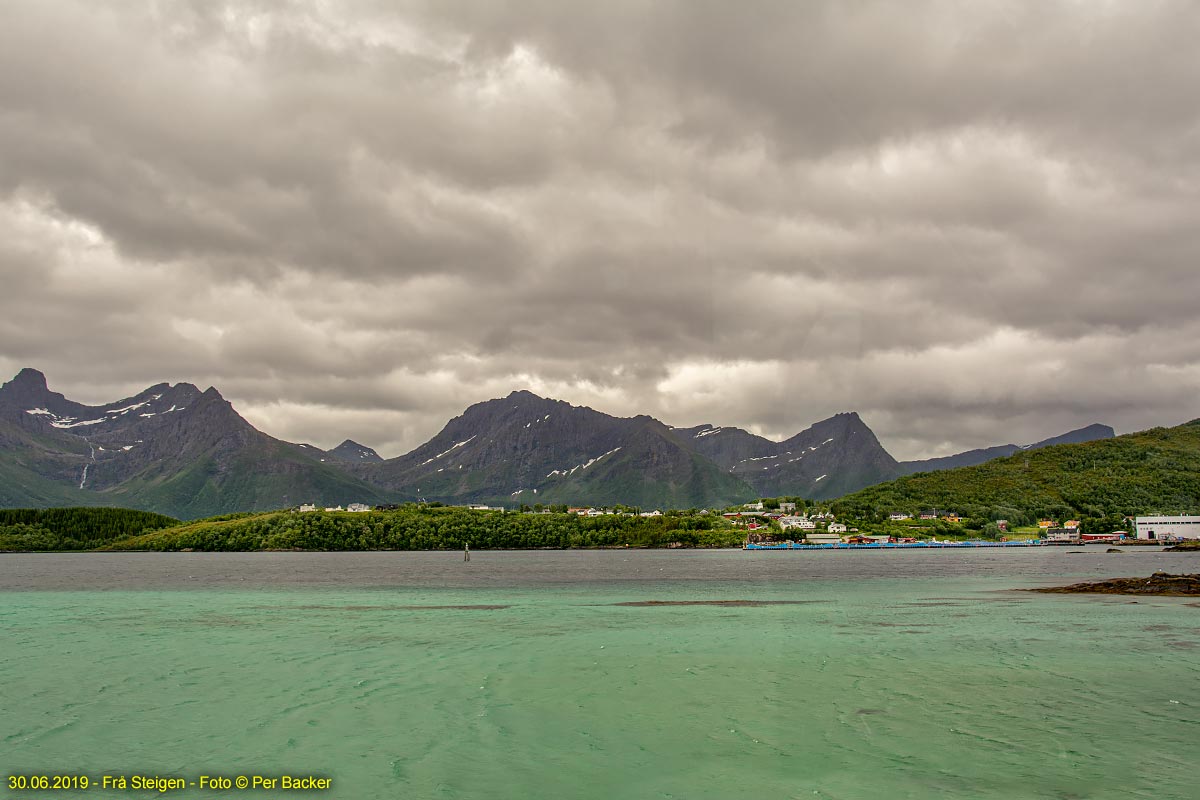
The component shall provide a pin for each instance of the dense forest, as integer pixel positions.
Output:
(414, 527)
(1099, 483)
(74, 528)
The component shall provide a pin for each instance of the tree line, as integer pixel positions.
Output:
(431, 528)
(74, 528)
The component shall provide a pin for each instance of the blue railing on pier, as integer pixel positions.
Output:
(890, 545)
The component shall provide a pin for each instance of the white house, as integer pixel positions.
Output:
(787, 506)
(898, 516)
(1166, 527)
(358, 507)
(334, 508)
(822, 538)
(1062, 535)
(654, 513)
(754, 506)
(802, 523)
(837, 527)
(307, 507)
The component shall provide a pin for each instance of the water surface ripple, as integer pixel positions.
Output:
(725, 674)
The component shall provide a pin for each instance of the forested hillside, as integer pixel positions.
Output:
(74, 528)
(1101, 481)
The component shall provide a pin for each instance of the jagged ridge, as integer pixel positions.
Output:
(188, 453)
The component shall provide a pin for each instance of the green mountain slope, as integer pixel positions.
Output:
(170, 449)
(652, 469)
(268, 476)
(1153, 471)
(529, 449)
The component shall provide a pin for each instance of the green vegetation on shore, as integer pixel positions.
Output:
(1099, 483)
(74, 528)
(416, 527)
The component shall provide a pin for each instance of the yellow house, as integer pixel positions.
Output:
(1047, 523)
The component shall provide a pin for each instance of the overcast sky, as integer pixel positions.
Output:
(974, 223)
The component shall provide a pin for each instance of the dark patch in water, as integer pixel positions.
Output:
(1075, 627)
(221, 621)
(391, 608)
(726, 603)
(868, 711)
(1156, 627)
(932, 605)
(1180, 645)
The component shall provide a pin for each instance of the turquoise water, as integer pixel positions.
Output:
(913, 686)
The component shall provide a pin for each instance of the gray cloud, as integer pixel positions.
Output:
(972, 225)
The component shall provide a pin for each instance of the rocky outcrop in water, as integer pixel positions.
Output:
(1160, 583)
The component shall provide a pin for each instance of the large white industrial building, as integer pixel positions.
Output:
(1168, 527)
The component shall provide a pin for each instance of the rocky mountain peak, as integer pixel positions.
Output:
(29, 378)
(355, 453)
(27, 385)
(28, 390)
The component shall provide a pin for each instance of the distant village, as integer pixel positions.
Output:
(580, 510)
(820, 526)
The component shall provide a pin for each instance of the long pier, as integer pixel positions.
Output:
(892, 545)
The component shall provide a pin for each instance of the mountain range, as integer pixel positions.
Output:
(181, 451)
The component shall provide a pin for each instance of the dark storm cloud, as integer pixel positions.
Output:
(972, 225)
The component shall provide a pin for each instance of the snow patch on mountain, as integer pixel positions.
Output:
(69, 422)
(571, 471)
(127, 409)
(449, 450)
(62, 422)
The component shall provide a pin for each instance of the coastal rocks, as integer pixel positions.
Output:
(1160, 583)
